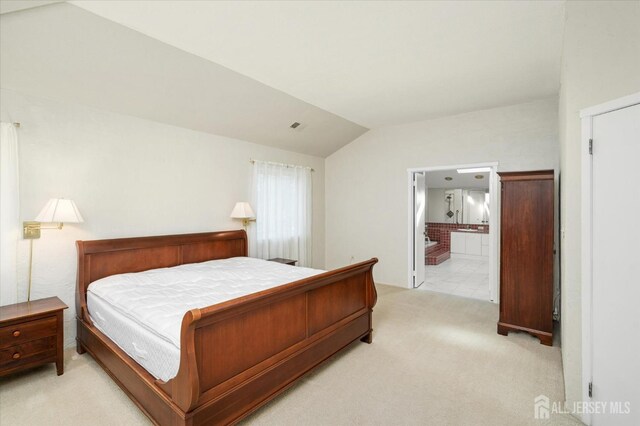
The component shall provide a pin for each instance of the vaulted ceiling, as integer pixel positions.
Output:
(249, 69)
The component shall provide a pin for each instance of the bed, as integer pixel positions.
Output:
(233, 356)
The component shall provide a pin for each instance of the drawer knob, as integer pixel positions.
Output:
(16, 355)
(16, 333)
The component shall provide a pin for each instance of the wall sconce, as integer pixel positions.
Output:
(243, 210)
(57, 210)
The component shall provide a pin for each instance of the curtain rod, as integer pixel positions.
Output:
(252, 161)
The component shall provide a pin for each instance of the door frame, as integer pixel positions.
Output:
(494, 223)
(586, 116)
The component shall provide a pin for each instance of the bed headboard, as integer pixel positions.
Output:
(101, 258)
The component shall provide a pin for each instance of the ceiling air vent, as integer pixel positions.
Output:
(295, 125)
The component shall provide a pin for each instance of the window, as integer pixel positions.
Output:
(282, 200)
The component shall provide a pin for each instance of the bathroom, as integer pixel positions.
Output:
(457, 233)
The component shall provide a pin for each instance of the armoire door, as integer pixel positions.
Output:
(526, 253)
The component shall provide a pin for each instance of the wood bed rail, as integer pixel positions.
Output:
(257, 331)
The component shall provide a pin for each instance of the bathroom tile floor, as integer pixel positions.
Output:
(460, 277)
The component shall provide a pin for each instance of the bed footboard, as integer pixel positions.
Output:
(238, 355)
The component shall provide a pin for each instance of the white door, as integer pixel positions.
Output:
(616, 266)
(419, 212)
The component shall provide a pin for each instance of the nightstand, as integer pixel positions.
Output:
(282, 260)
(31, 334)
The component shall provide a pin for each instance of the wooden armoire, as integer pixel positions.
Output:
(526, 254)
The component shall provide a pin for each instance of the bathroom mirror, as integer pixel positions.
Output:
(465, 206)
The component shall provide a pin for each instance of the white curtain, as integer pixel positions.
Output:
(282, 201)
(9, 213)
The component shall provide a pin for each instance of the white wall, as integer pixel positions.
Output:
(366, 181)
(601, 62)
(129, 177)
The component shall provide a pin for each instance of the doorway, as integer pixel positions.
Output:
(453, 227)
(610, 269)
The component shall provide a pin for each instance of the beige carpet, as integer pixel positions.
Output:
(435, 360)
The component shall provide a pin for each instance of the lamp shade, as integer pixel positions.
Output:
(60, 210)
(242, 210)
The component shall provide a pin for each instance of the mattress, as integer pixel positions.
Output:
(155, 354)
(142, 312)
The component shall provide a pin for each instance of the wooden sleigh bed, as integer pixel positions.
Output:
(234, 356)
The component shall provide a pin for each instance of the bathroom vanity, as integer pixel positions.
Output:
(470, 242)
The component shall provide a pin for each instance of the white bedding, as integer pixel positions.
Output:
(142, 312)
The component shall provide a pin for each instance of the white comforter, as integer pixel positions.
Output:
(159, 298)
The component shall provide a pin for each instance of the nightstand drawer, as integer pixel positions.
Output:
(15, 334)
(29, 351)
